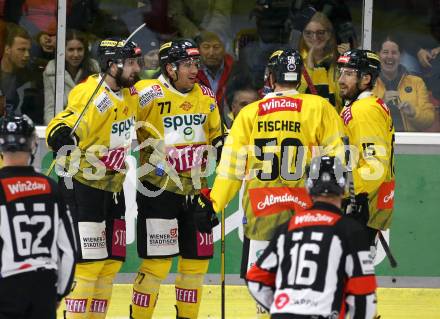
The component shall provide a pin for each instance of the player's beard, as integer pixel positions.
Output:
(126, 82)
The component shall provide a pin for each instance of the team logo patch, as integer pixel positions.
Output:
(186, 106)
(278, 104)
(186, 295)
(18, 187)
(272, 200)
(103, 102)
(212, 107)
(149, 94)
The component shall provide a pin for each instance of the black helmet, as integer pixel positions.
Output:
(174, 51)
(17, 134)
(116, 50)
(365, 61)
(286, 66)
(326, 176)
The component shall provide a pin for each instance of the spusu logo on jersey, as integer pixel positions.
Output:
(18, 187)
(277, 104)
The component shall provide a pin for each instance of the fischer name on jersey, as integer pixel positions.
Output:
(174, 132)
(268, 147)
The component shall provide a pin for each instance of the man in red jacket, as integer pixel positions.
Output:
(216, 64)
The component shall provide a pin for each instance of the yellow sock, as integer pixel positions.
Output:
(79, 299)
(189, 284)
(103, 289)
(146, 286)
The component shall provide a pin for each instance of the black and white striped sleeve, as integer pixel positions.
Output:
(66, 243)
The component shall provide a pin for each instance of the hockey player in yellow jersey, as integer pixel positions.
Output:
(369, 127)
(178, 121)
(268, 147)
(92, 182)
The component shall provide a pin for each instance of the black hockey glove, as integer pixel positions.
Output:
(218, 143)
(60, 137)
(204, 213)
(361, 211)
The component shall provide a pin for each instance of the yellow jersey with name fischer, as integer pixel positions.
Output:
(175, 132)
(268, 147)
(105, 133)
(369, 127)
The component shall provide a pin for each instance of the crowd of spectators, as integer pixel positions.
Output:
(234, 39)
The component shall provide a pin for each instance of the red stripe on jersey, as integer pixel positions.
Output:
(361, 285)
(133, 90)
(346, 115)
(313, 218)
(24, 186)
(277, 104)
(383, 105)
(258, 274)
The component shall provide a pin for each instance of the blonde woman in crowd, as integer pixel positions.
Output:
(319, 51)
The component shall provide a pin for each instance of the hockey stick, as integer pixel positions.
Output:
(222, 265)
(353, 206)
(83, 112)
(386, 248)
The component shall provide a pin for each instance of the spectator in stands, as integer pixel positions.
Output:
(406, 95)
(45, 46)
(338, 13)
(271, 35)
(151, 68)
(319, 52)
(238, 96)
(78, 66)
(216, 64)
(20, 80)
(191, 17)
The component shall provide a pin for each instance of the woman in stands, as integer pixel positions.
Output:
(406, 95)
(319, 51)
(78, 67)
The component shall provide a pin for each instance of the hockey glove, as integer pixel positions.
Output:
(60, 137)
(218, 143)
(204, 214)
(361, 211)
